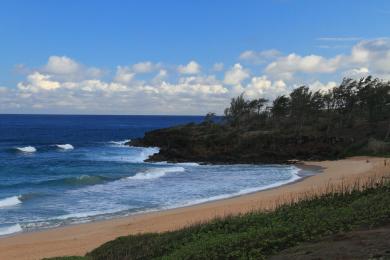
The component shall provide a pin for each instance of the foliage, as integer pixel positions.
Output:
(351, 104)
(350, 119)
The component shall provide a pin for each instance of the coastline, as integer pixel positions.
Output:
(80, 238)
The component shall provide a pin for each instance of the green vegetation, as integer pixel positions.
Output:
(258, 235)
(350, 119)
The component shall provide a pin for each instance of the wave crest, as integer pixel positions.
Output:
(65, 146)
(10, 201)
(27, 149)
(120, 143)
(155, 173)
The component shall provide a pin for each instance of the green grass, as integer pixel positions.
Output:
(259, 234)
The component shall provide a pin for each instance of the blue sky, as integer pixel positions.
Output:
(77, 44)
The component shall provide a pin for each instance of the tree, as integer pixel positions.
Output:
(209, 118)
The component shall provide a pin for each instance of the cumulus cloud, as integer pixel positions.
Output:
(65, 68)
(367, 56)
(235, 75)
(374, 54)
(357, 72)
(37, 81)
(307, 64)
(193, 85)
(263, 87)
(144, 67)
(124, 75)
(61, 65)
(323, 87)
(260, 56)
(64, 85)
(191, 68)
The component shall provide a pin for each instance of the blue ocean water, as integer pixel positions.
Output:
(60, 169)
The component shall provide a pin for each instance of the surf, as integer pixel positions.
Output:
(65, 146)
(155, 173)
(10, 201)
(27, 149)
(10, 229)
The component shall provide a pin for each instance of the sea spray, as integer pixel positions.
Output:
(121, 143)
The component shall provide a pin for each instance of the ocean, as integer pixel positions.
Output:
(58, 170)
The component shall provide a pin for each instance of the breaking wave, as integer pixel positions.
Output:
(155, 173)
(27, 149)
(65, 146)
(10, 201)
(120, 143)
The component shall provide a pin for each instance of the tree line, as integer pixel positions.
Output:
(354, 103)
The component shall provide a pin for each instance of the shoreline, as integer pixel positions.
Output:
(78, 239)
(308, 169)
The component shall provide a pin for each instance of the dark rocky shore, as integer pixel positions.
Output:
(222, 144)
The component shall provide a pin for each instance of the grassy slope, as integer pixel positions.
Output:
(258, 234)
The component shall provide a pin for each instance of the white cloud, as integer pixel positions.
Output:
(357, 72)
(144, 67)
(124, 75)
(64, 85)
(61, 65)
(193, 85)
(307, 64)
(319, 86)
(263, 87)
(259, 57)
(236, 75)
(37, 81)
(161, 75)
(374, 54)
(191, 68)
(65, 68)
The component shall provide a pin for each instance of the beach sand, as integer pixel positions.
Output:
(79, 239)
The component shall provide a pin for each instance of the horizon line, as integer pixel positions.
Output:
(43, 114)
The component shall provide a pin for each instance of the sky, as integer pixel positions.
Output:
(183, 57)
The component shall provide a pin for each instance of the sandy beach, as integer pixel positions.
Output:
(79, 239)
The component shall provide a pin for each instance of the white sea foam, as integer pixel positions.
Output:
(10, 229)
(145, 154)
(120, 143)
(27, 149)
(191, 164)
(293, 178)
(88, 214)
(10, 201)
(155, 173)
(65, 146)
